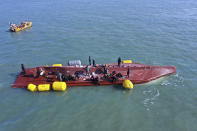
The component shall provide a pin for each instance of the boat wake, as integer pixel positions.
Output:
(173, 80)
(176, 80)
(151, 94)
(150, 97)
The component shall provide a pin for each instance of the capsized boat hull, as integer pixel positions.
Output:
(97, 75)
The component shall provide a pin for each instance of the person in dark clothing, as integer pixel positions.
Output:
(93, 61)
(89, 60)
(128, 72)
(119, 61)
(59, 76)
(23, 68)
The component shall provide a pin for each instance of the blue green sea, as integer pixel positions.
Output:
(155, 32)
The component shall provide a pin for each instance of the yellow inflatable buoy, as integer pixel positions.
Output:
(127, 61)
(59, 86)
(44, 87)
(127, 84)
(57, 65)
(32, 87)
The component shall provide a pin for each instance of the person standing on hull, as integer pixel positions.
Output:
(119, 61)
(106, 71)
(23, 68)
(88, 70)
(128, 72)
(93, 61)
(89, 60)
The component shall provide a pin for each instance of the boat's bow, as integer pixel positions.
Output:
(148, 73)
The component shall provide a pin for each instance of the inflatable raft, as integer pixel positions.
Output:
(22, 26)
(58, 77)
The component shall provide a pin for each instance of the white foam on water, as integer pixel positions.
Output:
(150, 97)
(172, 80)
(165, 82)
(178, 80)
(157, 81)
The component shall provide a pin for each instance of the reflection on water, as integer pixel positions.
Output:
(19, 35)
(16, 35)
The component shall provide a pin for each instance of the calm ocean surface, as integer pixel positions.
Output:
(156, 32)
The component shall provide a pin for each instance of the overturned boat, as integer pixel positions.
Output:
(58, 76)
(22, 26)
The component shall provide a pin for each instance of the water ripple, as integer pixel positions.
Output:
(150, 97)
(176, 80)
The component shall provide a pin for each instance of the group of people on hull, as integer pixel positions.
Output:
(113, 76)
(103, 72)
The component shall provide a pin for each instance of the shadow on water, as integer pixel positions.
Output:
(118, 87)
(123, 90)
(18, 34)
(15, 34)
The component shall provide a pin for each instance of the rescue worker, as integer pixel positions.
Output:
(128, 72)
(89, 60)
(119, 61)
(93, 61)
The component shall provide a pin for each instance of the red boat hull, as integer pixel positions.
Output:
(138, 74)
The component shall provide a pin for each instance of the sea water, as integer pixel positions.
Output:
(155, 32)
